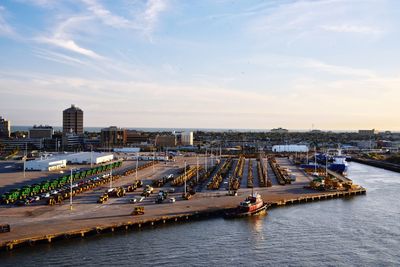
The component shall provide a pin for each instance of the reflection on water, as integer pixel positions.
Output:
(361, 231)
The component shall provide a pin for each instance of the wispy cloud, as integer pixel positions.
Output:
(62, 37)
(347, 28)
(70, 45)
(106, 16)
(5, 28)
(151, 14)
(145, 20)
(306, 18)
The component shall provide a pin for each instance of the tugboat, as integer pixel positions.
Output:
(252, 205)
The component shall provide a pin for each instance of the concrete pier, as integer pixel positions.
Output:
(35, 224)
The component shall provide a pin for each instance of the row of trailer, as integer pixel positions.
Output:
(45, 187)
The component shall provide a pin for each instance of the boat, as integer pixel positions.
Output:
(252, 205)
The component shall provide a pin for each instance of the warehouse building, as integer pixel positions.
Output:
(290, 148)
(88, 158)
(49, 164)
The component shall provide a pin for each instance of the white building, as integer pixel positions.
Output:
(127, 150)
(49, 164)
(290, 148)
(88, 157)
(184, 138)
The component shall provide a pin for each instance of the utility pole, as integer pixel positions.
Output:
(91, 156)
(205, 159)
(154, 157)
(137, 163)
(70, 193)
(185, 178)
(25, 154)
(197, 163)
(229, 185)
(326, 163)
(111, 178)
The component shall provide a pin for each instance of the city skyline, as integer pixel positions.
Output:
(210, 64)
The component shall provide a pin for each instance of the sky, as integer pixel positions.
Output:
(241, 64)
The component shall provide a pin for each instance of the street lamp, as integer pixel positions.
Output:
(70, 187)
(185, 178)
(137, 163)
(111, 178)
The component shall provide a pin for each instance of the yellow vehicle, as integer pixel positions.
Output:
(138, 211)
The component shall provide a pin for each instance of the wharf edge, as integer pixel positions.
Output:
(128, 225)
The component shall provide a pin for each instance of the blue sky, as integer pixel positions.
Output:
(203, 64)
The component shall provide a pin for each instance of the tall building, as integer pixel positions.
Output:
(5, 128)
(73, 120)
(113, 136)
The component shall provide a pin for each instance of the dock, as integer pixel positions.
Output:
(32, 225)
(125, 222)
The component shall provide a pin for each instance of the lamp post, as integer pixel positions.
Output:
(185, 178)
(206, 160)
(70, 193)
(197, 174)
(137, 163)
(111, 178)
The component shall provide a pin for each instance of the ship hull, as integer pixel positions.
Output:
(238, 212)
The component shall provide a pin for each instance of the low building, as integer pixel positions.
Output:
(290, 148)
(41, 132)
(22, 144)
(165, 141)
(367, 132)
(48, 164)
(88, 158)
(127, 150)
(73, 141)
(135, 137)
(279, 130)
(184, 138)
(5, 128)
(113, 137)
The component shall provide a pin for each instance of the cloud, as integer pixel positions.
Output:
(62, 37)
(5, 28)
(145, 20)
(106, 16)
(151, 14)
(346, 28)
(304, 18)
(71, 46)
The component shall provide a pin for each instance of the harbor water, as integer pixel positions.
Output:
(355, 231)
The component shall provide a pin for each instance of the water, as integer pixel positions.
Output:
(358, 231)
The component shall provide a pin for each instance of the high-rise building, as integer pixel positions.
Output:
(5, 128)
(113, 137)
(73, 120)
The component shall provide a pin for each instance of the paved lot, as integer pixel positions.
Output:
(30, 221)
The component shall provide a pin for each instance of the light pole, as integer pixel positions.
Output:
(137, 163)
(185, 179)
(205, 159)
(91, 156)
(70, 192)
(111, 178)
(154, 157)
(197, 163)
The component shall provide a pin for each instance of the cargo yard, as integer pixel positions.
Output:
(132, 194)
